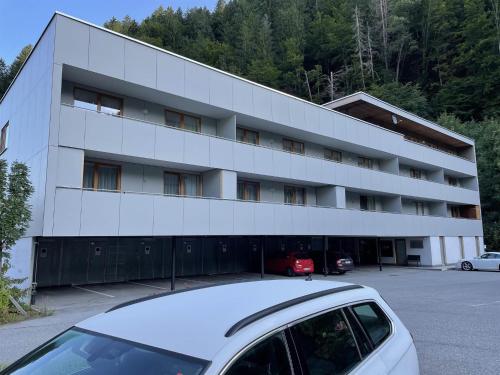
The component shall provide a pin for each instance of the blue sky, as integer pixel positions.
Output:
(22, 21)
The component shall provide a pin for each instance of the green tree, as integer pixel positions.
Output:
(486, 134)
(407, 96)
(15, 210)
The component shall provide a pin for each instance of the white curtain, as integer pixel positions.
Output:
(191, 185)
(171, 184)
(108, 178)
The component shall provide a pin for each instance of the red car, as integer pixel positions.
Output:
(290, 264)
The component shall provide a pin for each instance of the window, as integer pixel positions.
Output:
(453, 181)
(415, 173)
(295, 195)
(365, 162)
(182, 184)
(97, 102)
(98, 176)
(247, 136)
(366, 203)
(416, 244)
(83, 352)
(4, 137)
(419, 208)
(293, 146)
(374, 321)
(455, 211)
(326, 344)
(333, 155)
(183, 121)
(248, 191)
(268, 357)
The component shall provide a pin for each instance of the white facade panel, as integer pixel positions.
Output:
(197, 85)
(136, 215)
(69, 167)
(68, 205)
(103, 136)
(100, 215)
(72, 127)
(170, 74)
(138, 139)
(107, 54)
(140, 64)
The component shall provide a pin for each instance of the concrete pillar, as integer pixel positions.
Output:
(331, 196)
(392, 204)
(219, 183)
(390, 165)
(226, 128)
(436, 175)
(438, 209)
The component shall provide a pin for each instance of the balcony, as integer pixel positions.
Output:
(104, 133)
(99, 213)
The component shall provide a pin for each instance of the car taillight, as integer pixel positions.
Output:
(297, 261)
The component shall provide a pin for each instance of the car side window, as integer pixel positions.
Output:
(361, 337)
(269, 357)
(374, 321)
(485, 256)
(325, 344)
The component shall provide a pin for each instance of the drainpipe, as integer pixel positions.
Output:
(262, 258)
(172, 275)
(378, 255)
(325, 259)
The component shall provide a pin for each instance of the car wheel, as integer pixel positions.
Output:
(341, 272)
(467, 266)
(289, 272)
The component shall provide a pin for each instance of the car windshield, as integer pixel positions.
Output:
(78, 352)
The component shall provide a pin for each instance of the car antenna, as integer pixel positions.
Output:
(309, 277)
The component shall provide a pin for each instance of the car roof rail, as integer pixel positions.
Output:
(283, 305)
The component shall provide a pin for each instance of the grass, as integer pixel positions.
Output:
(12, 316)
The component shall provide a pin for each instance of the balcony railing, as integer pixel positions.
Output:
(352, 164)
(80, 212)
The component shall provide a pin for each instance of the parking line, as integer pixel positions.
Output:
(194, 281)
(150, 286)
(485, 304)
(93, 291)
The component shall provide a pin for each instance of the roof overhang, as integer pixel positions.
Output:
(368, 108)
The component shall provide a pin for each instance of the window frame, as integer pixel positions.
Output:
(4, 138)
(344, 307)
(245, 192)
(416, 173)
(455, 212)
(419, 208)
(452, 181)
(280, 330)
(329, 151)
(360, 325)
(294, 195)
(292, 347)
(293, 146)
(95, 175)
(182, 124)
(369, 199)
(99, 96)
(182, 185)
(365, 162)
(245, 135)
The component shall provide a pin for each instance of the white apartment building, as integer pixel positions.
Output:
(135, 151)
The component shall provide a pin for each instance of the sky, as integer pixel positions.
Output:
(22, 21)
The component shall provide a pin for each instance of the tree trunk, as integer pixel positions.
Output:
(383, 22)
(308, 86)
(496, 15)
(359, 44)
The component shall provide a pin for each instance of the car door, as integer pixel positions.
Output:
(328, 344)
(483, 262)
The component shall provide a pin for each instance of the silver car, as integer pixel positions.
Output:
(488, 261)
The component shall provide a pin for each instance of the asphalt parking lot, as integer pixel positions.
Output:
(453, 315)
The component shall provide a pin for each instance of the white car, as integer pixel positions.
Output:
(487, 261)
(276, 327)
